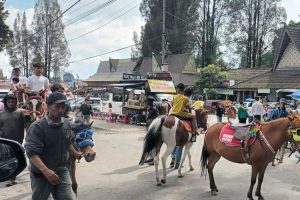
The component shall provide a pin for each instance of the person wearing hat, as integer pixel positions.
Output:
(12, 123)
(280, 112)
(48, 144)
(37, 84)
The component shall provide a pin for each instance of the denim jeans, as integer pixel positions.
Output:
(177, 153)
(41, 187)
(219, 119)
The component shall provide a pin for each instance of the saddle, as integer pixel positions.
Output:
(239, 135)
(187, 123)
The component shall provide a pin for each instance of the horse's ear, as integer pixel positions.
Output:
(90, 125)
(291, 117)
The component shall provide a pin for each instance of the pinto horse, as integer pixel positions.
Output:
(271, 137)
(84, 143)
(171, 131)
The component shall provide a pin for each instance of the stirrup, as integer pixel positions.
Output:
(193, 138)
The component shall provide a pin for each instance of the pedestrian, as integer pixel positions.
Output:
(242, 113)
(219, 111)
(257, 109)
(48, 145)
(86, 110)
(151, 114)
(59, 88)
(12, 124)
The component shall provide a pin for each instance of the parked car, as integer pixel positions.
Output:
(96, 103)
(210, 105)
(3, 93)
(12, 161)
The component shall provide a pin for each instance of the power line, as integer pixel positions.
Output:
(82, 6)
(75, 61)
(104, 18)
(48, 24)
(104, 24)
(89, 12)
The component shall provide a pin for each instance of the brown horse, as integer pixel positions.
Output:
(173, 132)
(272, 135)
(84, 143)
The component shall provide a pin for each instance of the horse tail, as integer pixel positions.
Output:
(204, 159)
(152, 138)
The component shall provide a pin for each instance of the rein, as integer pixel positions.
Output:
(263, 138)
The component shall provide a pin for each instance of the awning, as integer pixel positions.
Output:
(124, 85)
(286, 90)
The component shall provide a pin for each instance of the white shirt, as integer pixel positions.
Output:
(257, 108)
(37, 83)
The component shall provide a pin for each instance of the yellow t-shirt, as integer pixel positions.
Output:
(179, 103)
(198, 104)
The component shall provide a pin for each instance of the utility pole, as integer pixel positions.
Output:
(164, 66)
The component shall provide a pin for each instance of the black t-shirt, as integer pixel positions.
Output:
(86, 109)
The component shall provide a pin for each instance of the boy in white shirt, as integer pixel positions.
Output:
(37, 84)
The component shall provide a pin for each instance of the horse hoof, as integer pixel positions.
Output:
(158, 184)
(180, 176)
(191, 169)
(214, 193)
(74, 188)
(163, 181)
(260, 198)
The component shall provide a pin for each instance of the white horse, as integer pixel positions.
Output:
(173, 132)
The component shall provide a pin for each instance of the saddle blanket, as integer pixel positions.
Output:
(227, 137)
(187, 125)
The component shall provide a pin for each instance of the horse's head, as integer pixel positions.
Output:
(35, 107)
(201, 118)
(84, 140)
(294, 121)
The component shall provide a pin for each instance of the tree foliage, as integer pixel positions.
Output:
(251, 28)
(19, 46)
(211, 77)
(50, 45)
(5, 32)
(181, 26)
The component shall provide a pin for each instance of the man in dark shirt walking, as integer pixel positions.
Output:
(86, 110)
(12, 123)
(48, 144)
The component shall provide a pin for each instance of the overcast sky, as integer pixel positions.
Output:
(113, 36)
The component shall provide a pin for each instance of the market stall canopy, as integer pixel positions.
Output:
(296, 95)
(286, 90)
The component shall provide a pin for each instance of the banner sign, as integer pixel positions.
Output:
(161, 86)
(133, 77)
(264, 91)
(224, 91)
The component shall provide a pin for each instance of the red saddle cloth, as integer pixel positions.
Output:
(187, 125)
(227, 137)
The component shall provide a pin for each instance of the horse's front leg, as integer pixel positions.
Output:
(253, 181)
(261, 174)
(73, 175)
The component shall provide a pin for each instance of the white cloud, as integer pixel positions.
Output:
(292, 9)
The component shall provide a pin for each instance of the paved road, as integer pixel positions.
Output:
(115, 174)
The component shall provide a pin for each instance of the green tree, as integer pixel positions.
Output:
(5, 32)
(49, 44)
(136, 50)
(212, 17)
(1, 74)
(181, 26)
(210, 77)
(19, 47)
(251, 28)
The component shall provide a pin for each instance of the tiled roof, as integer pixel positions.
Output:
(288, 79)
(289, 34)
